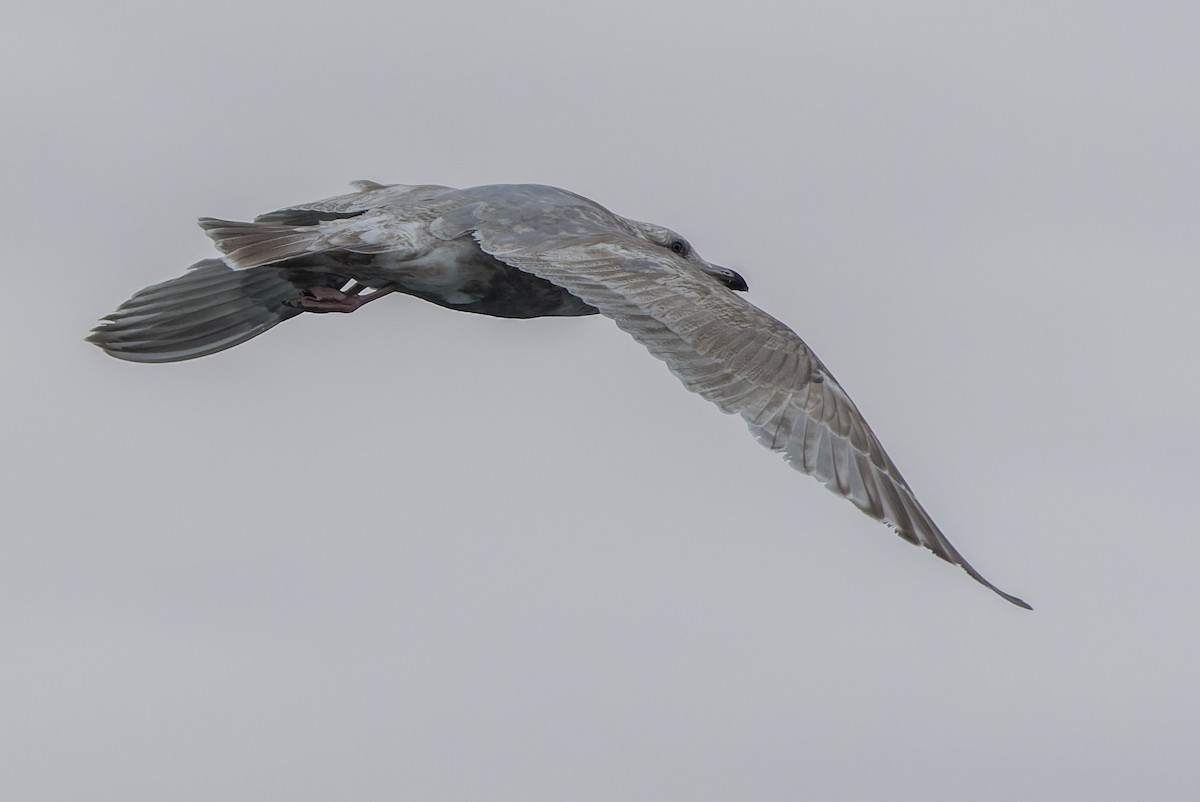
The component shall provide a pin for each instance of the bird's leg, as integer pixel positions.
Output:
(377, 292)
(327, 299)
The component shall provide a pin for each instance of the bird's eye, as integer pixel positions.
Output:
(678, 246)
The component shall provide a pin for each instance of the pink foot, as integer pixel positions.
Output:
(327, 299)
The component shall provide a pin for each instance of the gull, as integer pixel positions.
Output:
(524, 251)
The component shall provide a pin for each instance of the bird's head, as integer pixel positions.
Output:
(676, 244)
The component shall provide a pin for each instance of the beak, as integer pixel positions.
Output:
(730, 278)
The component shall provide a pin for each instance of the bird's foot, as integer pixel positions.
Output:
(347, 299)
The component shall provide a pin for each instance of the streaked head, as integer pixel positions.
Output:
(676, 244)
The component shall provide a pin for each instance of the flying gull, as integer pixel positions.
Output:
(522, 251)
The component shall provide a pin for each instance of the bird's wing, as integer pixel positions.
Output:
(207, 309)
(727, 350)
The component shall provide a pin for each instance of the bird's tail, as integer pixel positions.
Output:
(207, 309)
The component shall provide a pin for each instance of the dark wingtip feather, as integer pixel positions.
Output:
(206, 310)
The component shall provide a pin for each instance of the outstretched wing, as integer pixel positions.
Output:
(724, 348)
(208, 309)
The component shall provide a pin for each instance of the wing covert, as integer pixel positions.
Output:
(738, 357)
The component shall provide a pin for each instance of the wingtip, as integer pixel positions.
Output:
(99, 336)
(1018, 601)
(1024, 605)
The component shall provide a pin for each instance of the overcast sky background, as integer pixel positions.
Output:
(415, 554)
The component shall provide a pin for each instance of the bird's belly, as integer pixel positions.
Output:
(458, 275)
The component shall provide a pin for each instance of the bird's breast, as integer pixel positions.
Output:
(458, 275)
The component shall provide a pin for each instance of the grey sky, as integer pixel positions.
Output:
(415, 554)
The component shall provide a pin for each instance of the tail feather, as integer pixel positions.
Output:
(247, 245)
(208, 309)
